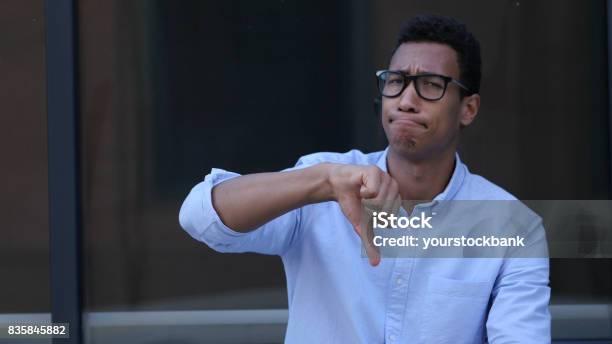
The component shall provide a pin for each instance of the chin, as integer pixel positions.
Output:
(409, 148)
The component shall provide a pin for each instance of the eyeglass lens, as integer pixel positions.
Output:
(430, 87)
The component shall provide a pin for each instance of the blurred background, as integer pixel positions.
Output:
(169, 89)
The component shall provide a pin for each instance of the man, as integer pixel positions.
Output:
(309, 214)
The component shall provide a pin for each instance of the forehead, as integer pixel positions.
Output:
(413, 57)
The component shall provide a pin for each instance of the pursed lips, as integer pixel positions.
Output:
(409, 121)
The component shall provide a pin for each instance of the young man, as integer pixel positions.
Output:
(309, 215)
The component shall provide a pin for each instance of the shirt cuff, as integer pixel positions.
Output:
(200, 219)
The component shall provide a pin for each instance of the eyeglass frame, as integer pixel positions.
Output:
(412, 78)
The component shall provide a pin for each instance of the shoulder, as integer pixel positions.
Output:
(480, 188)
(354, 156)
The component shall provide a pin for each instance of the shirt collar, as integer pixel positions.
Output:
(451, 188)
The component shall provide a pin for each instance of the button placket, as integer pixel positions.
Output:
(397, 299)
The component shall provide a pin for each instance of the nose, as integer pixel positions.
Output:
(409, 99)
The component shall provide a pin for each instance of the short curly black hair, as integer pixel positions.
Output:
(449, 31)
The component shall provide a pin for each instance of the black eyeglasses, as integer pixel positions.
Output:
(428, 86)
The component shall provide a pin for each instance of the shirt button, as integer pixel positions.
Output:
(391, 338)
(399, 281)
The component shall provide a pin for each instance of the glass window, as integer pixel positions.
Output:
(172, 89)
(24, 247)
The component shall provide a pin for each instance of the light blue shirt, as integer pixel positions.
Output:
(335, 296)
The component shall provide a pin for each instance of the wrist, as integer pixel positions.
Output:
(323, 189)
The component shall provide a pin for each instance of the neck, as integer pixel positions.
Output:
(421, 180)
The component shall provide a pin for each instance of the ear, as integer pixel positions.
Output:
(469, 109)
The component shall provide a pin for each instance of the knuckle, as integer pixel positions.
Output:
(373, 192)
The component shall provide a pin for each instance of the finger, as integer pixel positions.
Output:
(391, 197)
(377, 203)
(383, 188)
(370, 182)
(372, 251)
(397, 204)
(367, 237)
(352, 209)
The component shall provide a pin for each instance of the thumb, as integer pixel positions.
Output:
(371, 251)
(352, 209)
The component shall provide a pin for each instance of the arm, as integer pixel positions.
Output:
(256, 212)
(520, 297)
(519, 313)
(247, 202)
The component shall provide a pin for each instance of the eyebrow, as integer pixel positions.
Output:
(419, 72)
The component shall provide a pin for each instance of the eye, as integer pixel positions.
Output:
(393, 79)
(429, 83)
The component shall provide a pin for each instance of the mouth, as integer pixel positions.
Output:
(410, 122)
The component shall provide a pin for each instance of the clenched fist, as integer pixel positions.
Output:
(364, 188)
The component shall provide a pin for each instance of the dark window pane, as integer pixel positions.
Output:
(24, 247)
(171, 89)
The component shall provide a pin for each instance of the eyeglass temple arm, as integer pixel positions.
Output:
(460, 84)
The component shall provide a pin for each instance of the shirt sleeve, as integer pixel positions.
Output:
(199, 218)
(519, 311)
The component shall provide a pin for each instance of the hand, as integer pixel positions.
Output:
(354, 185)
